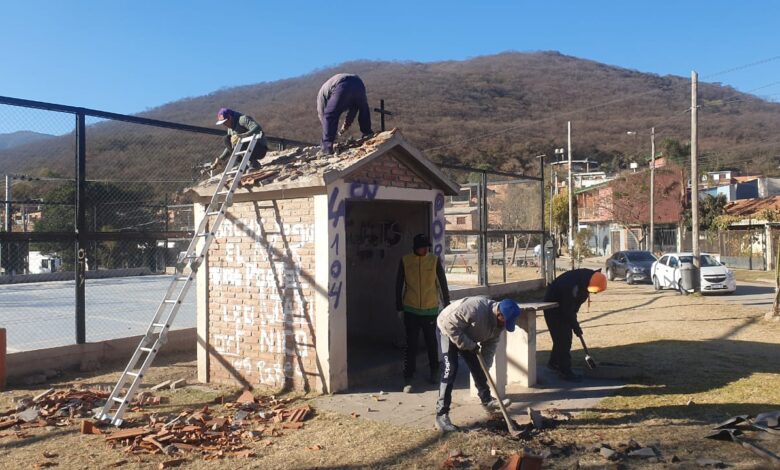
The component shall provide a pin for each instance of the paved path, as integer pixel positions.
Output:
(419, 408)
(41, 315)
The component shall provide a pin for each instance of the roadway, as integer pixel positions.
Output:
(41, 315)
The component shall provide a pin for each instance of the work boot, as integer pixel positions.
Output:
(492, 405)
(444, 424)
(407, 385)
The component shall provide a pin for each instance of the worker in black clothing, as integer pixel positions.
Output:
(570, 290)
(418, 283)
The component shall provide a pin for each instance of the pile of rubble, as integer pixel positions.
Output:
(52, 408)
(303, 163)
(212, 434)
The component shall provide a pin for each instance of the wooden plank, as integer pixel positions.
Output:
(127, 434)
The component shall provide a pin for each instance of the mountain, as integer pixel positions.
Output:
(500, 110)
(15, 139)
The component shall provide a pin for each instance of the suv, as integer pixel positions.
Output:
(632, 265)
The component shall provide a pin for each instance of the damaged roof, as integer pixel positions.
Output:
(753, 207)
(300, 167)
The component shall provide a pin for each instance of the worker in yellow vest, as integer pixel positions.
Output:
(418, 283)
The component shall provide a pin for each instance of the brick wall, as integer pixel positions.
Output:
(261, 296)
(388, 171)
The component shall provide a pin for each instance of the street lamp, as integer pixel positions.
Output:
(651, 241)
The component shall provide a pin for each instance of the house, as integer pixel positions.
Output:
(297, 291)
(617, 212)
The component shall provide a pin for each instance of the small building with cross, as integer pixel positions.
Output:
(298, 288)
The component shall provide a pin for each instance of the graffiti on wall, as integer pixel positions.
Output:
(268, 264)
(438, 225)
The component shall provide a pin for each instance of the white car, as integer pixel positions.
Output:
(715, 277)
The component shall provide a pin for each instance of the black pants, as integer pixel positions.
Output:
(449, 370)
(413, 324)
(561, 333)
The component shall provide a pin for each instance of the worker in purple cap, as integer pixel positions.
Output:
(239, 126)
(342, 92)
(471, 326)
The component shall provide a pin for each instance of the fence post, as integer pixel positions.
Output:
(483, 227)
(80, 253)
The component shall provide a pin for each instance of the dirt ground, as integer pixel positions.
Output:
(704, 360)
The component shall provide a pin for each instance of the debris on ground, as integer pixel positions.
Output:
(734, 428)
(215, 434)
(52, 408)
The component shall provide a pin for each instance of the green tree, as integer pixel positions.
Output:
(711, 212)
(108, 208)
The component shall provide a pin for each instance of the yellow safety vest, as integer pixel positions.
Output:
(422, 294)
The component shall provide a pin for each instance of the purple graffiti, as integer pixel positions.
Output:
(335, 269)
(335, 212)
(363, 190)
(335, 291)
(438, 204)
(335, 244)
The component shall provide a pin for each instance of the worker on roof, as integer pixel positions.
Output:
(419, 281)
(570, 290)
(239, 126)
(342, 92)
(471, 326)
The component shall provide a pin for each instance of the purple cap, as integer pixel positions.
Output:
(223, 115)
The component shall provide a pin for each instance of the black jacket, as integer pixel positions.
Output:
(570, 290)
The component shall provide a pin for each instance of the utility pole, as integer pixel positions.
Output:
(695, 181)
(652, 190)
(5, 249)
(571, 200)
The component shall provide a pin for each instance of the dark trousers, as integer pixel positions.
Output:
(413, 324)
(349, 95)
(561, 333)
(449, 370)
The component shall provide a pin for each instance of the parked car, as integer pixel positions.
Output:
(633, 266)
(714, 276)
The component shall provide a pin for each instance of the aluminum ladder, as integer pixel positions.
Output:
(157, 333)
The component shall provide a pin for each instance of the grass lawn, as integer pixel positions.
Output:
(704, 360)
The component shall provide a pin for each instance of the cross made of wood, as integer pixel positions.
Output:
(382, 112)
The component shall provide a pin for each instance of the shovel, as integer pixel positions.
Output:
(731, 435)
(589, 361)
(515, 433)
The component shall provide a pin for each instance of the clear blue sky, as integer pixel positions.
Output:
(128, 56)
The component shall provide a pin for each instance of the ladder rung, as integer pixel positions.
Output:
(171, 301)
(118, 400)
(214, 213)
(134, 374)
(220, 193)
(159, 325)
(204, 234)
(183, 278)
(147, 349)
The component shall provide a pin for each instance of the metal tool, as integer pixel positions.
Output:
(157, 333)
(514, 432)
(589, 361)
(730, 434)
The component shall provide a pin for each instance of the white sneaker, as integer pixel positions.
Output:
(492, 405)
(444, 424)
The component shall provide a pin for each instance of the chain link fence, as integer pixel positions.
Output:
(94, 218)
(494, 227)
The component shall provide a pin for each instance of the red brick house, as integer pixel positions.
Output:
(618, 212)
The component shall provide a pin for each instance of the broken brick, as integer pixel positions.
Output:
(127, 434)
(88, 427)
(171, 463)
(246, 397)
(512, 463)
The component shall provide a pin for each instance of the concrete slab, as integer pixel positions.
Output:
(417, 409)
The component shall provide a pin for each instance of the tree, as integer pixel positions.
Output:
(712, 213)
(517, 205)
(560, 214)
(108, 208)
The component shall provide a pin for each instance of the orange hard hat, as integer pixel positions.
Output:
(598, 283)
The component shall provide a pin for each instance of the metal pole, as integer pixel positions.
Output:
(382, 113)
(5, 249)
(80, 229)
(542, 257)
(483, 225)
(571, 201)
(695, 181)
(652, 190)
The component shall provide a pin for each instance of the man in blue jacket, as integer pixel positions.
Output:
(342, 92)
